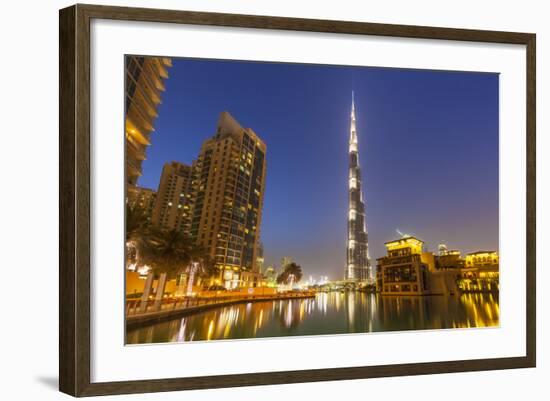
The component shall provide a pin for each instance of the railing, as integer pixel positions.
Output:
(137, 307)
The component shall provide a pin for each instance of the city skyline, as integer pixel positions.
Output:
(307, 136)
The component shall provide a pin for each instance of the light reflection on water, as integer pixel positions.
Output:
(327, 313)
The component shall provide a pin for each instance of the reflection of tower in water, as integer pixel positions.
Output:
(350, 306)
(361, 311)
(290, 313)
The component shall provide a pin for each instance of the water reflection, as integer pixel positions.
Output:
(327, 313)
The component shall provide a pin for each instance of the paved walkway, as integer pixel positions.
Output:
(192, 305)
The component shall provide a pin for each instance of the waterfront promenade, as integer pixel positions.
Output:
(169, 308)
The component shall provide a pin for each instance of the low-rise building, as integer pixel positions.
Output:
(409, 270)
(405, 269)
(448, 259)
(483, 259)
(480, 272)
(252, 279)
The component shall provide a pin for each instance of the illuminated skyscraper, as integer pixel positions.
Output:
(173, 204)
(144, 84)
(229, 181)
(357, 263)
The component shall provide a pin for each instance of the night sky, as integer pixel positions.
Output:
(428, 148)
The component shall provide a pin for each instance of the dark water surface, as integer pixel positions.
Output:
(327, 313)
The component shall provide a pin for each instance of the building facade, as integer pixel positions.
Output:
(409, 270)
(141, 198)
(448, 258)
(358, 267)
(482, 259)
(144, 84)
(228, 186)
(174, 198)
(480, 272)
(405, 269)
(270, 276)
(260, 258)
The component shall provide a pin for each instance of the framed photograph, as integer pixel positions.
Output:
(249, 200)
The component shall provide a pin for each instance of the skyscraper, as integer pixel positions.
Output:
(141, 198)
(260, 258)
(357, 261)
(173, 204)
(144, 84)
(228, 187)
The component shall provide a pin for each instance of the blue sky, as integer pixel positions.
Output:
(428, 148)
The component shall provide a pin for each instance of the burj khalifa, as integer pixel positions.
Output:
(358, 268)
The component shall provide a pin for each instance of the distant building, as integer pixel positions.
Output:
(228, 187)
(174, 198)
(144, 84)
(405, 269)
(260, 258)
(285, 261)
(141, 198)
(482, 259)
(270, 275)
(252, 279)
(409, 270)
(449, 259)
(480, 272)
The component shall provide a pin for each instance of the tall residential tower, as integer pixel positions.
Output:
(228, 184)
(357, 261)
(144, 85)
(172, 208)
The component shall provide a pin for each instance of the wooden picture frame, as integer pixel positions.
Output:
(74, 205)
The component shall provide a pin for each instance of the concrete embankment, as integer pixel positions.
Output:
(148, 318)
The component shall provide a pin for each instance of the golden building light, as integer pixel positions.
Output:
(481, 258)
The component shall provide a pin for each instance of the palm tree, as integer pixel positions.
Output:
(139, 233)
(165, 251)
(200, 264)
(170, 253)
(136, 219)
(291, 274)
